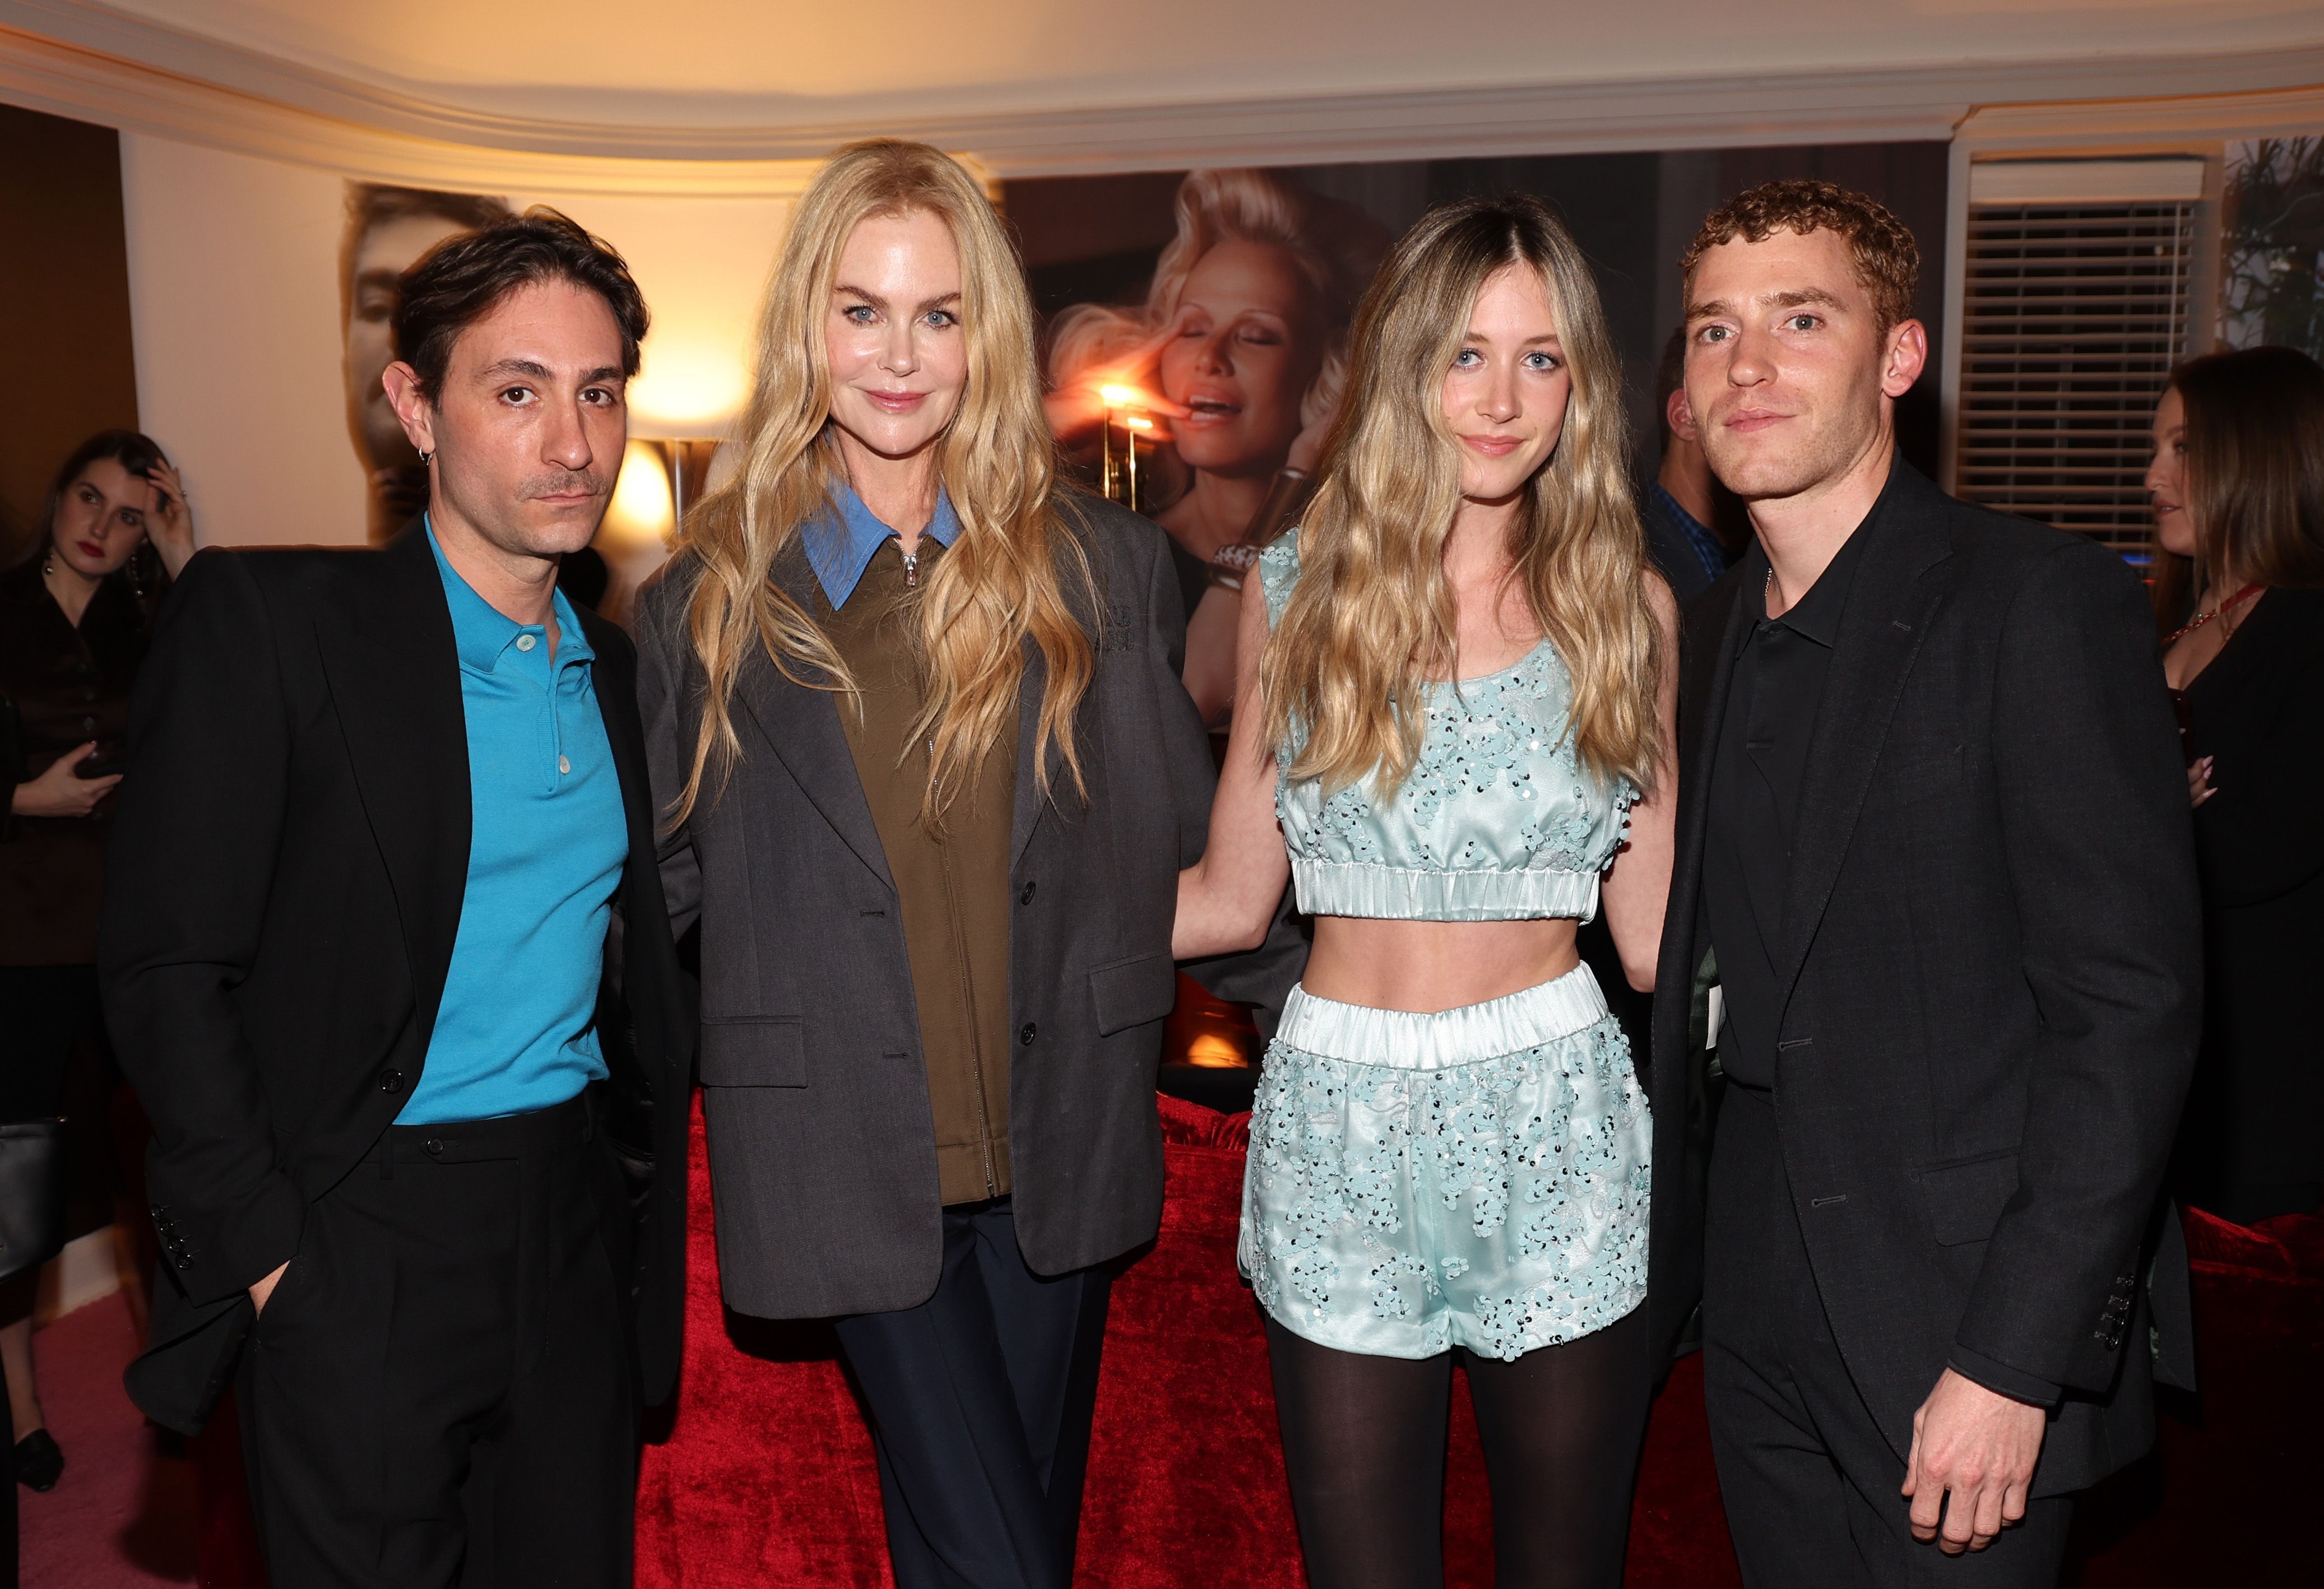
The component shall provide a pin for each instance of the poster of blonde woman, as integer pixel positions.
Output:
(1234, 359)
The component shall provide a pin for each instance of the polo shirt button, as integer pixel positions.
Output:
(564, 765)
(524, 642)
(1025, 1033)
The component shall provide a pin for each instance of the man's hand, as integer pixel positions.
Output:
(1980, 1446)
(265, 1288)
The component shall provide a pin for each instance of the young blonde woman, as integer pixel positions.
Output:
(1452, 739)
(913, 712)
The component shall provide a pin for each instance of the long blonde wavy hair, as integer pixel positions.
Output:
(1004, 578)
(1373, 617)
(1231, 204)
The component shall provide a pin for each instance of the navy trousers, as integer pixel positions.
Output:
(981, 1402)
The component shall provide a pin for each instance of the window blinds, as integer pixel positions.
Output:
(2074, 308)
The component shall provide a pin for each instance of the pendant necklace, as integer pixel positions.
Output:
(2221, 611)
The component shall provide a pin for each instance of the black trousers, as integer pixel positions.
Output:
(440, 1390)
(44, 1011)
(980, 1403)
(1810, 1483)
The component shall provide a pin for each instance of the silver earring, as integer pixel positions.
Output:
(426, 458)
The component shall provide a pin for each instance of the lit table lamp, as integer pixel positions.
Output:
(1118, 473)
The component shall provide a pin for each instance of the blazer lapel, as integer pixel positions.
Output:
(1706, 678)
(1703, 688)
(1030, 803)
(801, 726)
(1898, 584)
(615, 682)
(394, 676)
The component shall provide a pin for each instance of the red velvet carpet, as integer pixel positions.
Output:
(761, 1473)
(123, 1515)
(767, 1475)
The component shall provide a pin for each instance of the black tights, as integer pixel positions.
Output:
(1364, 1437)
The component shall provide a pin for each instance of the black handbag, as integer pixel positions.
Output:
(32, 1194)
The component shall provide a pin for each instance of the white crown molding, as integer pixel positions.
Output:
(2148, 124)
(78, 57)
(64, 79)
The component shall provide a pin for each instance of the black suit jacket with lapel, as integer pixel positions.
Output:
(284, 884)
(821, 1145)
(1992, 951)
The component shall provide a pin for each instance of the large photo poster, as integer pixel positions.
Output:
(2271, 234)
(388, 230)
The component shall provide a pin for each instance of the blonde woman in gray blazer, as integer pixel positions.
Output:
(913, 712)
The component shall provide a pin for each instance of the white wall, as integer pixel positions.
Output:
(233, 300)
(703, 266)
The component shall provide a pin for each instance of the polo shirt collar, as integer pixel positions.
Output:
(1815, 616)
(843, 539)
(483, 633)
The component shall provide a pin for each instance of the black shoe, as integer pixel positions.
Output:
(39, 1462)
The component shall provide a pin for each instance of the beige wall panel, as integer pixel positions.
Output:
(234, 291)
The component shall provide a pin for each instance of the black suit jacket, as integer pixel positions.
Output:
(283, 886)
(1993, 957)
(821, 1145)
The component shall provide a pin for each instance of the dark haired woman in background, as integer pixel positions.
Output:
(73, 619)
(2238, 483)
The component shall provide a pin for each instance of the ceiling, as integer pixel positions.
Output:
(741, 79)
(735, 62)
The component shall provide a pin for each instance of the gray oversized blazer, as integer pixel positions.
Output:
(822, 1147)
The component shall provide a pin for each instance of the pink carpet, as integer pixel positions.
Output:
(122, 1516)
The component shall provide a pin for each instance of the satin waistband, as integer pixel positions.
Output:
(1405, 894)
(1410, 1040)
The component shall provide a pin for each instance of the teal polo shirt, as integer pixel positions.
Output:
(517, 1028)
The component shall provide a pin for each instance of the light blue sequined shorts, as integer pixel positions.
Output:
(1474, 1178)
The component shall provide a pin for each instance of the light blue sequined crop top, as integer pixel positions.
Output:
(1499, 821)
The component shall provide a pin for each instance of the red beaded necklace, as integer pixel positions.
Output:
(2221, 611)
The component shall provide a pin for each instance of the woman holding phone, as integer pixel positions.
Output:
(74, 614)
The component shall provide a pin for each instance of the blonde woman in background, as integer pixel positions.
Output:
(1239, 353)
(913, 712)
(1453, 738)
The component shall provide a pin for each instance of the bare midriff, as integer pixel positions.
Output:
(1431, 966)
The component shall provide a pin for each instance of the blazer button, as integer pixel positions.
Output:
(1025, 1033)
(390, 1082)
(1026, 897)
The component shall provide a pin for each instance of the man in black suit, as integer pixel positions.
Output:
(386, 953)
(1933, 837)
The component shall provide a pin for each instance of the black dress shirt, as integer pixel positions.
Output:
(1760, 756)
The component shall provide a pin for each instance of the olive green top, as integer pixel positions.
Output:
(953, 887)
